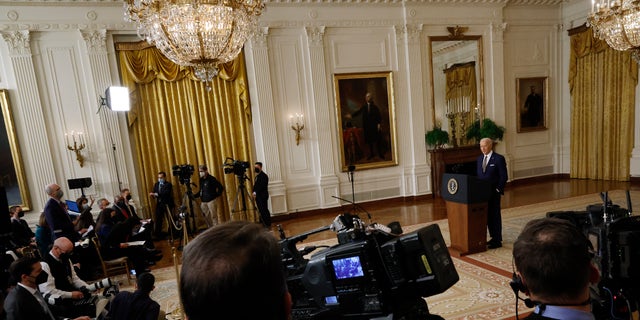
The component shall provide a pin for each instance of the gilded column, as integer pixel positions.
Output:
(36, 146)
(329, 182)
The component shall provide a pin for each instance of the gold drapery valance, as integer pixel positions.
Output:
(176, 120)
(602, 84)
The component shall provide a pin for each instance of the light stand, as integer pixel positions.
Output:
(117, 99)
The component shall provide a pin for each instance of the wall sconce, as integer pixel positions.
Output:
(78, 144)
(297, 124)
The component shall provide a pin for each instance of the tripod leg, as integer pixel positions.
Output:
(253, 203)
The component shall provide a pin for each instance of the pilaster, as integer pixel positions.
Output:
(329, 182)
(265, 132)
(27, 110)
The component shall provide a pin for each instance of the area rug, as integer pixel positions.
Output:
(483, 290)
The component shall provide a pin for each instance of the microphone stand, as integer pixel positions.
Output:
(351, 169)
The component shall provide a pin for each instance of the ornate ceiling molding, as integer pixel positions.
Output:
(324, 3)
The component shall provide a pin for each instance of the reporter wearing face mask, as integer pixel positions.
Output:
(163, 192)
(57, 217)
(22, 235)
(261, 194)
(25, 301)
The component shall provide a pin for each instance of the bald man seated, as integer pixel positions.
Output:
(63, 286)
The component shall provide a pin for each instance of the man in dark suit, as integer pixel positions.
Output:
(493, 168)
(371, 125)
(261, 194)
(163, 192)
(136, 305)
(25, 301)
(553, 266)
(57, 217)
(22, 235)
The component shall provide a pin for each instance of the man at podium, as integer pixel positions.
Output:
(493, 168)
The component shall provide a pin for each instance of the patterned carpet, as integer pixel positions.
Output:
(483, 291)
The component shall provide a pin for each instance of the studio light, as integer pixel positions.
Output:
(117, 98)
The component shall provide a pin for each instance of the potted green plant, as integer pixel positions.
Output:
(437, 137)
(489, 129)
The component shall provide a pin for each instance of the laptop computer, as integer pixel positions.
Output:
(73, 207)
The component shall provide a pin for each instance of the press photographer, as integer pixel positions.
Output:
(163, 193)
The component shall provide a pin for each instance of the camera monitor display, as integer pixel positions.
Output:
(347, 268)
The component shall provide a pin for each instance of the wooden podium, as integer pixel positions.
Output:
(466, 199)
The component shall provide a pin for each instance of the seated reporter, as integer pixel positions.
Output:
(24, 300)
(553, 261)
(136, 305)
(234, 271)
(22, 235)
(63, 284)
(113, 237)
(85, 218)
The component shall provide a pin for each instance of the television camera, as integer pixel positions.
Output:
(183, 172)
(370, 273)
(236, 167)
(614, 235)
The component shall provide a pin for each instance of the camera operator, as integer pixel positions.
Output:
(163, 192)
(554, 268)
(261, 194)
(248, 267)
(210, 190)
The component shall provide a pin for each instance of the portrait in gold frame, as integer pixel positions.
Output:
(366, 140)
(12, 176)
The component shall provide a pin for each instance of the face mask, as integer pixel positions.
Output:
(129, 197)
(161, 180)
(20, 214)
(201, 174)
(85, 206)
(59, 194)
(257, 170)
(41, 278)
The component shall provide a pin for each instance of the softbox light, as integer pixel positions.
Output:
(118, 98)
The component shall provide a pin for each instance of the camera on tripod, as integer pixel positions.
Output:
(183, 172)
(236, 167)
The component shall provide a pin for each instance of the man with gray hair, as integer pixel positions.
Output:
(56, 215)
(493, 168)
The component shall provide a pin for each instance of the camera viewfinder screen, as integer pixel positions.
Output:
(347, 268)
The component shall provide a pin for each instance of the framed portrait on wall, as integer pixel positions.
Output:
(531, 96)
(366, 120)
(12, 176)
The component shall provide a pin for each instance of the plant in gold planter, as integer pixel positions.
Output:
(437, 137)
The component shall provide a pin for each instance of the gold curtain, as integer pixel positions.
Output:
(602, 85)
(175, 120)
(462, 98)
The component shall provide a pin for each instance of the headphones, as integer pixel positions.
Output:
(517, 286)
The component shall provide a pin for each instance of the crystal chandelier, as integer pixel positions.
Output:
(618, 23)
(197, 33)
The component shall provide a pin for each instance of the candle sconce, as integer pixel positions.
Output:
(297, 124)
(78, 145)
